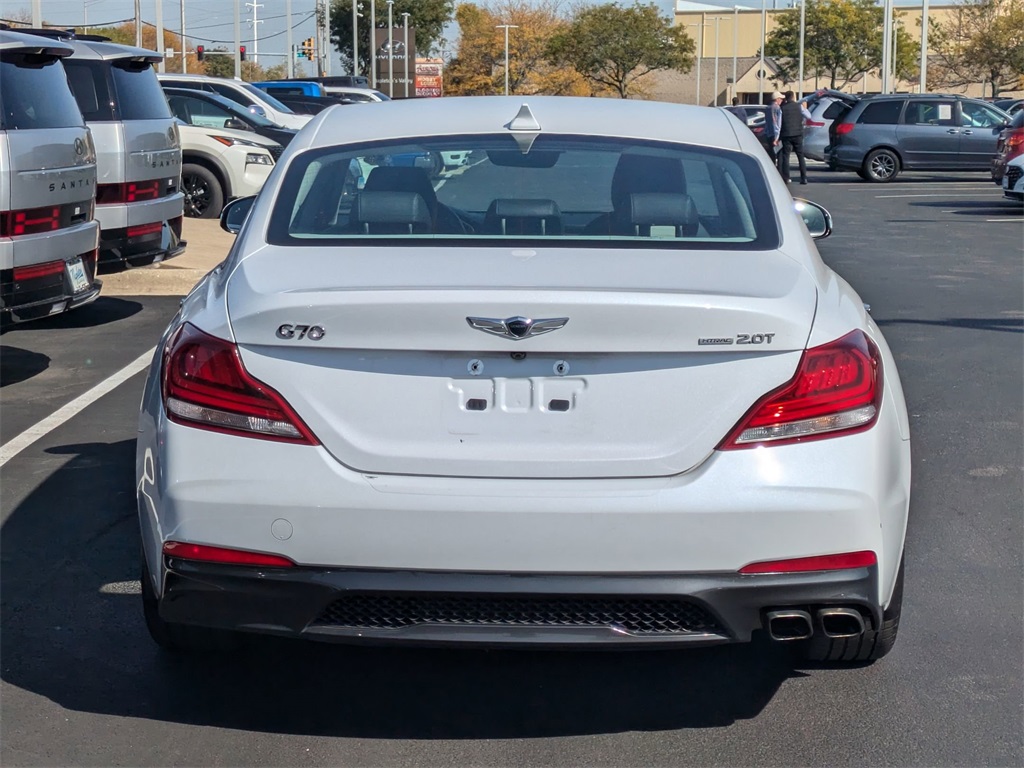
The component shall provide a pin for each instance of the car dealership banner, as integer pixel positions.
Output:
(399, 66)
(429, 77)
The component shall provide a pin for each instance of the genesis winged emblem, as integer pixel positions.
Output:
(516, 328)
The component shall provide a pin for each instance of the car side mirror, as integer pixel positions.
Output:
(256, 109)
(817, 220)
(236, 124)
(234, 214)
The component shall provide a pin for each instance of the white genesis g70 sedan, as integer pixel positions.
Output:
(595, 387)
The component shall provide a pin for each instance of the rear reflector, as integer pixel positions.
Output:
(222, 555)
(837, 390)
(839, 562)
(205, 385)
(145, 229)
(35, 271)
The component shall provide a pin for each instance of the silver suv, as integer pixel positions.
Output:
(883, 135)
(826, 106)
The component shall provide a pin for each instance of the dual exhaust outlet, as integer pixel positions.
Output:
(793, 624)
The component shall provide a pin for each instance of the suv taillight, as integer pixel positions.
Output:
(1014, 143)
(837, 390)
(844, 128)
(205, 385)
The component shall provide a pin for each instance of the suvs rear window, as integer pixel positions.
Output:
(25, 81)
(882, 112)
(593, 189)
(139, 95)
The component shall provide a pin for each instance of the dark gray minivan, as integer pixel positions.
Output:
(139, 202)
(883, 135)
(48, 236)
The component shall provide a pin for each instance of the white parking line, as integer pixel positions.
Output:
(13, 447)
(1012, 221)
(941, 194)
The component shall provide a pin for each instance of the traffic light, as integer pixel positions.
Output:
(200, 52)
(307, 48)
(241, 52)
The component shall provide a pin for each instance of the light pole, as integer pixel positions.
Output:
(716, 19)
(255, 24)
(391, 51)
(700, 47)
(184, 66)
(355, 37)
(238, 41)
(886, 46)
(735, 43)
(506, 27)
(373, 43)
(803, 32)
(764, 30)
(291, 48)
(405, 28)
(924, 46)
(161, 67)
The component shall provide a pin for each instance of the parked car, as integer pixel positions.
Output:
(210, 110)
(826, 106)
(249, 96)
(1013, 179)
(138, 157)
(48, 237)
(1009, 106)
(1009, 146)
(577, 395)
(752, 115)
(220, 164)
(310, 105)
(356, 94)
(883, 135)
(291, 88)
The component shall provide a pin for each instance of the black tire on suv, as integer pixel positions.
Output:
(204, 194)
(881, 165)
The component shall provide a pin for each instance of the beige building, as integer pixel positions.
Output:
(725, 35)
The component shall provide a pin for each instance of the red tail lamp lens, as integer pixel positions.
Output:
(844, 128)
(838, 562)
(223, 555)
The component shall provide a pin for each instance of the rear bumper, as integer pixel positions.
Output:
(120, 248)
(546, 610)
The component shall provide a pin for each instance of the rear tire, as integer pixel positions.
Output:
(881, 165)
(204, 194)
(179, 638)
(871, 646)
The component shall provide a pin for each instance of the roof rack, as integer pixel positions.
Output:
(51, 32)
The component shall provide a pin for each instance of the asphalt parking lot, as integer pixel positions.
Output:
(938, 258)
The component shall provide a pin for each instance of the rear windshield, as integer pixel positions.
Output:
(119, 90)
(24, 80)
(564, 188)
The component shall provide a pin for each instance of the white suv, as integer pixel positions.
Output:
(248, 95)
(219, 164)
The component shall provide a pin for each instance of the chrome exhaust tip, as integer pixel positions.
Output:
(786, 625)
(841, 622)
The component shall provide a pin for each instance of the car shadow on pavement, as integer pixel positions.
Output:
(18, 365)
(73, 633)
(1007, 324)
(975, 207)
(106, 309)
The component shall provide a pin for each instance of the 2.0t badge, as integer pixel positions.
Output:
(516, 328)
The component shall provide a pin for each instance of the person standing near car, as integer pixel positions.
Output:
(791, 136)
(772, 128)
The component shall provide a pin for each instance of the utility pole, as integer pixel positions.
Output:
(291, 47)
(138, 25)
(391, 51)
(924, 47)
(161, 67)
(37, 13)
(405, 27)
(184, 48)
(373, 43)
(803, 32)
(506, 27)
(327, 37)
(238, 40)
(255, 24)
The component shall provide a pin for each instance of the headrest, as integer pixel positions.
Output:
(646, 173)
(648, 209)
(402, 209)
(385, 179)
(525, 209)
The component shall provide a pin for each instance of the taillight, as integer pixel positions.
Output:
(35, 271)
(209, 554)
(837, 390)
(844, 128)
(145, 229)
(128, 192)
(30, 221)
(838, 562)
(1015, 143)
(205, 385)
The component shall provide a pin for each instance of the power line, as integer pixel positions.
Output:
(232, 41)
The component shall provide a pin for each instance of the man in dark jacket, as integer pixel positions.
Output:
(792, 136)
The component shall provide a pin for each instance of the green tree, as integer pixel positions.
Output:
(124, 34)
(428, 17)
(479, 68)
(842, 41)
(614, 46)
(983, 42)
